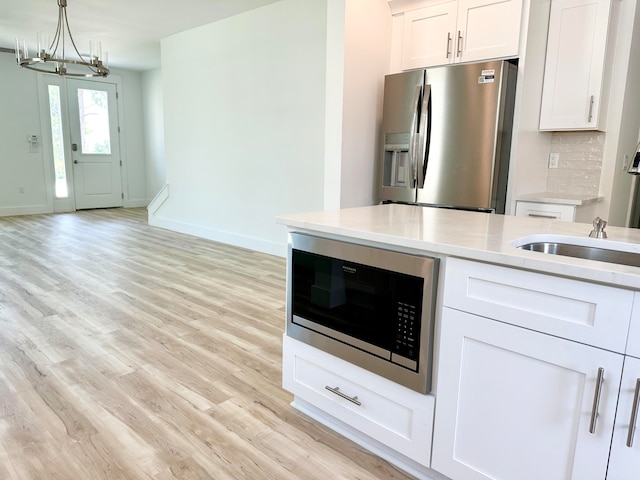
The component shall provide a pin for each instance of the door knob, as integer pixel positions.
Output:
(75, 161)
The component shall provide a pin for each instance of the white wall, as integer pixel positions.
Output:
(282, 117)
(20, 115)
(366, 59)
(244, 110)
(153, 131)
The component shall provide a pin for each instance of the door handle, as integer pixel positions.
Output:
(75, 161)
(596, 401)
(634, 415)
(459, 46)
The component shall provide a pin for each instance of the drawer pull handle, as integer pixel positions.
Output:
(634, 415)
(596, 401)
(539, 215)
(337, 391)
(590, 116)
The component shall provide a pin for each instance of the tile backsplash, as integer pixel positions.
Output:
(579, 165)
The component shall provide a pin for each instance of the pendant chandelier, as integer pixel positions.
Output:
(48, 60)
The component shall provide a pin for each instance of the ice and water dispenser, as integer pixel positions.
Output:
(397, 164)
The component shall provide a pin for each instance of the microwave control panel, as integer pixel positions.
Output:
(407, 330)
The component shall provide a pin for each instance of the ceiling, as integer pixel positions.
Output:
(130, 30)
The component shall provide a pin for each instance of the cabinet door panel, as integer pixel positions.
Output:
(429, 36)
(489, 29)
(625, 459)
(513, 403)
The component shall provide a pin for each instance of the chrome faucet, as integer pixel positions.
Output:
(598, 228)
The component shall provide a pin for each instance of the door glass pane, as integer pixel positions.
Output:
(57, 142)
(94, 121)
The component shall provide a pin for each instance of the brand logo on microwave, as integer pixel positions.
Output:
(348, 269)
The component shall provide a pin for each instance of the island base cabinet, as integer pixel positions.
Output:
(512, 403)
(624, 462)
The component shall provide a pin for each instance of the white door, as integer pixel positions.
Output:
(95, 148)
(512, 403)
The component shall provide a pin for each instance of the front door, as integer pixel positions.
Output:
(95, 147)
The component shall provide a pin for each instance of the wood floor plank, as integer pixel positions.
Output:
(128, 352)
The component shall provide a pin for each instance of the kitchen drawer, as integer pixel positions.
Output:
(394, 415)
(557, 211)
(593, 314)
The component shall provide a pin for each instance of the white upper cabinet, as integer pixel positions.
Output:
(572, 95)
(428, 36)
(460, 31)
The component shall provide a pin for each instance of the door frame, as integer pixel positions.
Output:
(68, 204)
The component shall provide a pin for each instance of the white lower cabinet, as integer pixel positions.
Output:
(624, 462)
(393, 415)
(513, 403)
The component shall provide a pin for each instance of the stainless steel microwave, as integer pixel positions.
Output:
(369, 306)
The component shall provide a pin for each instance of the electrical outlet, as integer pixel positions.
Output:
(554, 159)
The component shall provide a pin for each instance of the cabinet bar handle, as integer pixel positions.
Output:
(448, 44)
(634, 415)
(539, 215)
(596, 401)
(337, 391)
(591, 100)
(459, 43)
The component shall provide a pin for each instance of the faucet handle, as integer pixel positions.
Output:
(598, 228)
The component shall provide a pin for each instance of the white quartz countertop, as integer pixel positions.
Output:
(473, 235)
(564, 199)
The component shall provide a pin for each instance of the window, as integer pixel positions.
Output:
(57, 139)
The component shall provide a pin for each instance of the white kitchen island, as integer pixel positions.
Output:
(536, 360)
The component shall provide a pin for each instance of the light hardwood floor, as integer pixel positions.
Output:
(131, 352)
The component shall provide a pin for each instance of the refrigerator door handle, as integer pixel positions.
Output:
(414, 139)
(424, 134)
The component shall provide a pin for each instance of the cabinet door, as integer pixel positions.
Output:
(428, 36)
(514, 403)
(487, 29)
(574, 65)
(625, 448)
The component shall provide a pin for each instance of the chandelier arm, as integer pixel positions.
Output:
(66, 21)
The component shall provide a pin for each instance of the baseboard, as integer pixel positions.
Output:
(25, 210)
(157, 202)
(242, 241)
(136, 203)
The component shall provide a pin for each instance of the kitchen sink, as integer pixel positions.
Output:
(620, 253)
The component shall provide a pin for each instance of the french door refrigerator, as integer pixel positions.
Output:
(446, 134)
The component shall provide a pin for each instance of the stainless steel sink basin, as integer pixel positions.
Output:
(583, 251)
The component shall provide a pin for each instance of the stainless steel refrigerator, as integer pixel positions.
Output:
(446, 134)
